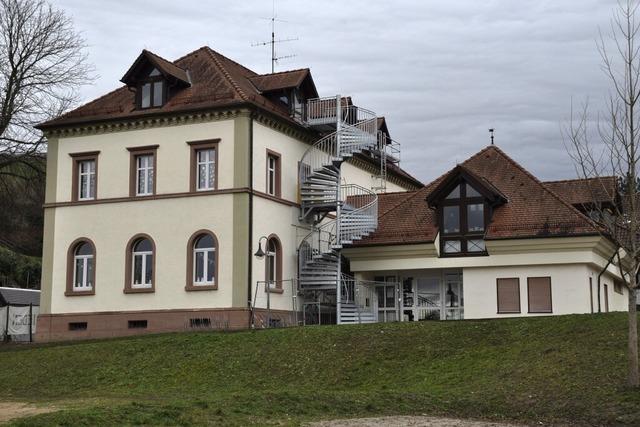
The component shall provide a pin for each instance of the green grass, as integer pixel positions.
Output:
(568, 369)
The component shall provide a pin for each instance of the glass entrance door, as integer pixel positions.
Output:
(387, 300)
(453, 296)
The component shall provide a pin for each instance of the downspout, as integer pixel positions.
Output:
(250, 244)
(601, 273)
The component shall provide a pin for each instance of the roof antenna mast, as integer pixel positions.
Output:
(273, 41)
(491, 133)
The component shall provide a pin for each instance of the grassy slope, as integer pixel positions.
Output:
(544, 369)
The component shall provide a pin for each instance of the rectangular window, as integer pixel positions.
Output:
(617, 287)
(475, 217)
(606, 298)
(137, 324)
(273, 173)
(475, 245)
(451, 219)
(145, 100)
(77, 326)
(142, 269)
(508, 295)
(204, 165)
(158, 93)
(452, 246)
(206, 169)
(142, 170)
(85, 176)
(144, 174)
(539, 293)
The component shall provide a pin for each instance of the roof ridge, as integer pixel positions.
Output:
(282, 72)
(227, 74)
(544, 187)
(158, 56)
(578, 179)
(187, 55)
(231, 60)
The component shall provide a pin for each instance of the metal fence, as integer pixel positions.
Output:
(274, 304)
(18, 323)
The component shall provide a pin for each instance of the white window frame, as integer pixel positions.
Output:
(147, 170)
(145, 257)
(205, 268)
(272, 265)
(86, 280)
(272, 165)
(87, 175)
(209, 164)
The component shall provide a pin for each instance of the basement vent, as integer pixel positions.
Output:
(77, 326)
(137, 324)
(200, 322)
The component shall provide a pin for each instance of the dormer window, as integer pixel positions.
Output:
(152, 90)
(463, 221)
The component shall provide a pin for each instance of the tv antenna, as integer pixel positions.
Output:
(273, 41)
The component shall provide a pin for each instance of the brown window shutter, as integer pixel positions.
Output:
(539, 291)
(508, 295)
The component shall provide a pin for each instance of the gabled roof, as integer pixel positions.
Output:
(168, 69)
(581, 192)
(18, 296)
(531, 209)
(286, 80)
(454, 177)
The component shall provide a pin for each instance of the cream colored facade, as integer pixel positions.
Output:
(572, 263)
(173, 214)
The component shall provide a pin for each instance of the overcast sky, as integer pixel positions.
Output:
(442, 72)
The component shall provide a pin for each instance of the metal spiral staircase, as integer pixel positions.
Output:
(340, 214)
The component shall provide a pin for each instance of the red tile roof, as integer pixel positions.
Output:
(216, 82)
(167, 68)
(281, 80)
(531, 210)
(580, 192)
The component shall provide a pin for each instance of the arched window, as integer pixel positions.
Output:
(140, 268)
(273, 274)
(202, 265)
(81, 268)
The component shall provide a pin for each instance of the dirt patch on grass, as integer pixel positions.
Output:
(408, 421)
(12, 410)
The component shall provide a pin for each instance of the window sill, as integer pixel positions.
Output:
(79, 293)
(509, 312)
(139, 290)
(274, 290)
(191, 288)
(540, 312)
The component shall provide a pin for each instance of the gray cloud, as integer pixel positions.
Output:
(442, 72)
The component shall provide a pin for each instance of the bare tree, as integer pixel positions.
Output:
(42, 65)
(615, 153)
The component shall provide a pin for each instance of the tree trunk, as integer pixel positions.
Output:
(633, 379)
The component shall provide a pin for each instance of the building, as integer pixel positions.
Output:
(487, 239)
(203, 195)
(160, 192)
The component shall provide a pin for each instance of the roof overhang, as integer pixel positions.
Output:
(458, 175)
(169, 70)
